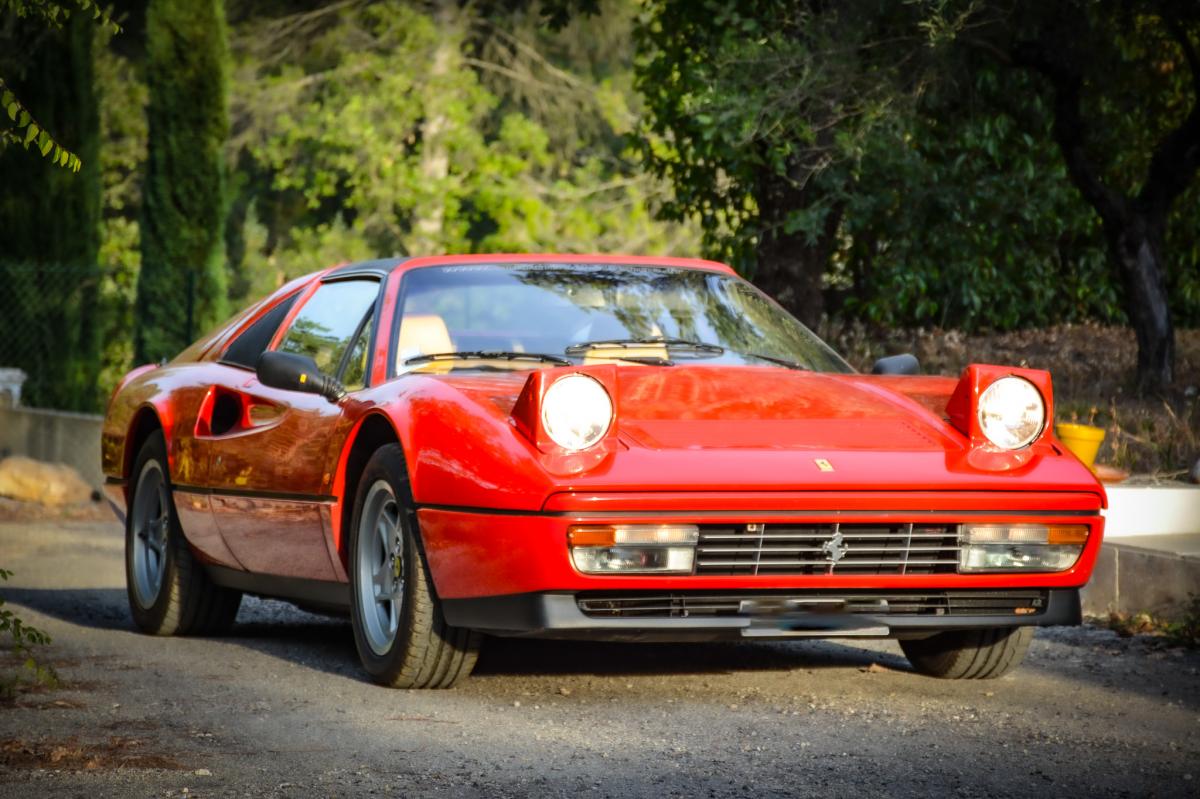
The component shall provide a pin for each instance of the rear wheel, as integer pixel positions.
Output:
(399, 631)
(969, 654)
(169, 591)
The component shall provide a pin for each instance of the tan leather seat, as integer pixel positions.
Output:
(602, 354)
(423, 334)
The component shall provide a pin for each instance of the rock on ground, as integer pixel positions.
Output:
(44, 483)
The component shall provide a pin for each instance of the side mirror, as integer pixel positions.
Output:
(897, 365)
(292, 372)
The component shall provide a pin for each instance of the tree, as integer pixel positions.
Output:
(404, 128)
(962, 215)
(182, 283)
(1128, 131)
(756, 110)
(49, 217)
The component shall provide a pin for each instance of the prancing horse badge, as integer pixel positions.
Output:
(823, 464)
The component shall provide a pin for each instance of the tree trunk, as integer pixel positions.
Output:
(790, 270)
(790, 266)
(1135, 226)
(434, 166)
(1136, 245)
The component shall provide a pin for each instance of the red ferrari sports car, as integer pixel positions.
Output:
(594, 447)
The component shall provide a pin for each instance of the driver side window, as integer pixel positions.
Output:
(333, 324)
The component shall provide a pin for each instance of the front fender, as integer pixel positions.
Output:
(463, 449)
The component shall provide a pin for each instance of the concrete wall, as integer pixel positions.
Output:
(1155, 574)
(54, 436)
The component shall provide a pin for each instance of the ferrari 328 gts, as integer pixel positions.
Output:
(593, 447)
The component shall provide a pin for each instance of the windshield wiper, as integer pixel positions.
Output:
(776, 359)
(487, 355)
(680, 345)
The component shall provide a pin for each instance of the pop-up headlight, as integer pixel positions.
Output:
(576, 412)
(1012, 413)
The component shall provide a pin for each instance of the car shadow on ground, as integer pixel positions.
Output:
(526, 657)
(326, 643)
(98, 608)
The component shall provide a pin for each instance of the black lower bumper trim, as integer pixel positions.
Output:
(762, 614)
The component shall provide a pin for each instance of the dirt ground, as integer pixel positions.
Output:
(279, 708)
(1093, 368)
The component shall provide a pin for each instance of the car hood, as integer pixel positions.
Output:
(722, 408)
(755, 408)
(734, 428)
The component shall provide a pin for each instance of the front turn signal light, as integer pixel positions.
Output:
(1020, 547)
(633, 548)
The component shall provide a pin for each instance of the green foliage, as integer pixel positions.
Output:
(882, 142)
(758, 112)
(356, 144)
(742, 96)
(123, 96)
(48, 235)
(1186, 630)
(182, 283)
(23, 128)
(26, 131)
(917, 170)
(962, 218)
(55, 14)
(23, 636)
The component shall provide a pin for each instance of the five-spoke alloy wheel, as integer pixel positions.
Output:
(399, 631)
(149, 519)
(380, 566)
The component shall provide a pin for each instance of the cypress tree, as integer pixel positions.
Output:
(181, 287)
(49, 219)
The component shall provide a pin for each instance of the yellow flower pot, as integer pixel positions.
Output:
(1083, 440)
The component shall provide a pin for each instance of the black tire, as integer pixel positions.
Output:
(183, 600)
(969, 654)
(422, 651)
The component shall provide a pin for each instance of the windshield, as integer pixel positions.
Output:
(596, 312)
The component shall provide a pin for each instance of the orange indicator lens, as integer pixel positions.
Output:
(585, 535)
(1068, 534)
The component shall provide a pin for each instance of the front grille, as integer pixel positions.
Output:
(827, 549)
(876, 603)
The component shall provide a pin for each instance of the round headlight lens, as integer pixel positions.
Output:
(576, 412)
(1012, 413)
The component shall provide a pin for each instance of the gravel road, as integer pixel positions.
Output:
(280, 708)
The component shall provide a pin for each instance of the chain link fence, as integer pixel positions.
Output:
(69, 329)
(66, 337)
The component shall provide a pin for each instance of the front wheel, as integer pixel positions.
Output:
(399, 631)
(169, 591)
(969, 654)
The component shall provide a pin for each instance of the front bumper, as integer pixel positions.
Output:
(674, 616)
(482, 553)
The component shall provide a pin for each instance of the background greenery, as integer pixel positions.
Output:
(886, 163)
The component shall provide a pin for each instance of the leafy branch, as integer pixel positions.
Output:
(25, 636)
(26, 131)
(55, 13)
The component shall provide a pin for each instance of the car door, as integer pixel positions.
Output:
(269, 450)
